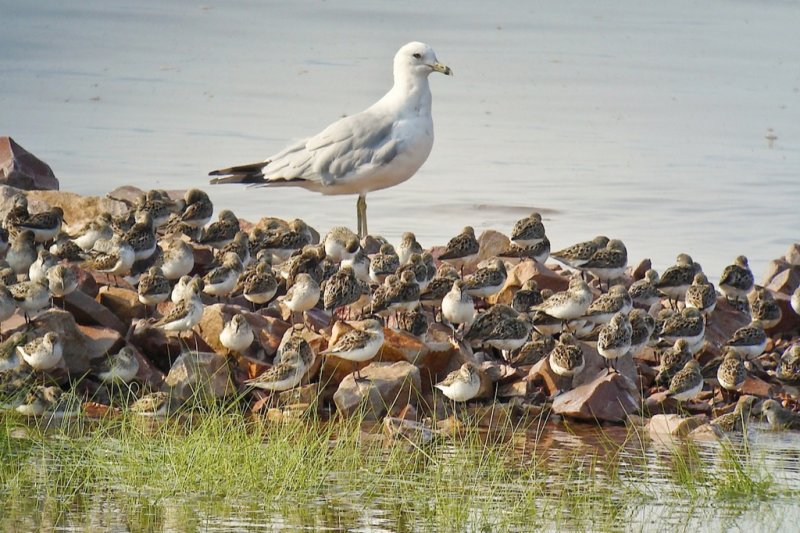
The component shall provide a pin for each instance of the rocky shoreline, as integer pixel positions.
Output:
(191, 366)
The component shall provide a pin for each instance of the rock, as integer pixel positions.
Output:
(545, 277)
(494, 417)
(491, 244)
(128, 194)
(123, 302)
(200, 376)
(78, 209)
(674, 425)
(160, 348)
(785, 282)
(269, 331)
(101, 341)
(774, 267)
(88, 311)
(790, 321)
(607, 398)
(706, 432)
(755, 386)
(721, 325)
(86, 282)
(792, 255)
(639, 270)
(23, 170)
(595, 364)
(384, 388)
(310, 394)
(515, 389)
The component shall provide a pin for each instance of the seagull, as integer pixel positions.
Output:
(380, 147)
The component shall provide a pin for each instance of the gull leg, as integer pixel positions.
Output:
(361, 211)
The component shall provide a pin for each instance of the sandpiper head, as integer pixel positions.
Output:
(238, 321)
(600, 240)
(20, 200)
(741, 261)
(616, 244)
(770, 406)
(408, 237)
(51, 337)
(302, 279)
(418, 59)
(352, 245)
(196, 285)
(730, 353)
(195, 195)
(700, 279)
(692, 364)
(469, 369)
(291, 357)
(546, 293)
(567, 338)
(387, 249)
(232, 260)
(226, 215)
(651, 275)
(468, 230)
(372, 324)
(26, 237)
(408, 276)
(692, 312)
(619, 319)
(498, 264)
(530, 285)
(618, 290)
(681, 345)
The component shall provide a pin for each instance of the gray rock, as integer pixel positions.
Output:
(200, 377)
(383, 388)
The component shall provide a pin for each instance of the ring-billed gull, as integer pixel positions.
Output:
(378, 148)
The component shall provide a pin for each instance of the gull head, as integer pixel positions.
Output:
(419, 59)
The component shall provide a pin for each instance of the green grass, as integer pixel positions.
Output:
(225, 467)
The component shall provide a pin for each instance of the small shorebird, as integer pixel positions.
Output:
(616, 300)
(614, 340)
(528, 231)
(484, 323)
(114, 256)
(672, 360)
(384, 263)
(303, 295)
(404, 295)
(38, 269)
(340, 244)
(221, 232)
(408, 246)
(293, 341)
(178, 259)
(142, 236)
(22, 252)
(731, 372)
(153, 287)
(538, 252)
(788, 369)
(736, 280)
(566, 358)
(687, 383)
(779, 417)
(8, 304)
(360, 263)
(259, 286)
(285, 375)
(608, 264)
(120, 367)
(42, 353)
(41, 400)
(763, 307)
(341, 290)
(577, 255)
(375, 149)
(221, 280)
(30, 296)
(795, 301)
(45, 225)
(644, 292)
(461, 385)
(157, 204)
(749, 341)
(237, 335)
(533, 351)
(197, 210)
(360, 344)
(187, 313)
(570, 304)
(153, 404)
(61, 280)
(97, 228)
(487, 280)
(642, 327)
(526, 296)
(180, 289)
(416, 265)
(461, 249)
(737, 420)
(457, 305)
(675, 280)
(701, 295)
(687, 324)
(510, 334)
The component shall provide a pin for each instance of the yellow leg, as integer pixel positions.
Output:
(361, 210)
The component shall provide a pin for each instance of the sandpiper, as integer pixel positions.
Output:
(240, 245)
(45, 225)
(701, 294)
(187, 313)
(158, 204)
(569, 304)
(285, 243)
(418, 267)
(788, 368)
(510, 334)
(42, 353)
(642, 327)
(779, 417)
(644, 292)
(672, 360)
(614, 340)
(687, 324)
(38, 269)
(237, 335)
(359, 344)
(408, 245)
(461, 249)
(221, 280)
(687, 383)
(537, 348)
(736, 280)
(608, 264)
(384, 263)
(293, 341)
(142, 236)
(526, 296)
(153, 287)
(18, 212)
(414, 322)
(115, 256)
(178, 259)
(61, 280)
(484, 323)
(616, 300)
(737, 420)
(41, 400)
(154, 404)
(359, 262)
(341, 290)
(341, 243)
(749, 341)
(538, 252)
(285, 375)
(487, 280)
(221, 232)
(97, 228)
(197, 209)
(566, 359)
(528, 231)
(303, 294)
(180, 290)
(457, 305)
(763, 307)
(461, 385)
(120, 367)
(22, 252)
(30, 296)
(731, 372)
(260, 285)
(404, 296)
(577, 255)
(675, 280)
(440, 285)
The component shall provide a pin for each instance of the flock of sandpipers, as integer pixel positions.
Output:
(152, 248)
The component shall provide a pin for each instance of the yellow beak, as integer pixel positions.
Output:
(444, 69)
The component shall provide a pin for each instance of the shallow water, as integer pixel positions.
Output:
(642, 121)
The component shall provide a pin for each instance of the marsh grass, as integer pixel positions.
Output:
(224, 467)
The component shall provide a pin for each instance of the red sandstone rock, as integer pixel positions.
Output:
(123, 302)
(200, 377)
(23, 170)
(384, 388)
(86, 310)
(607, 398)
(674, 425)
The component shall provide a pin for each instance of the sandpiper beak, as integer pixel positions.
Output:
(444, 69)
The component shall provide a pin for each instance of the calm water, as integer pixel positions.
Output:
(643, 121)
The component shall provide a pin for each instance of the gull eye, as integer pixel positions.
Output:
(418, 56)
